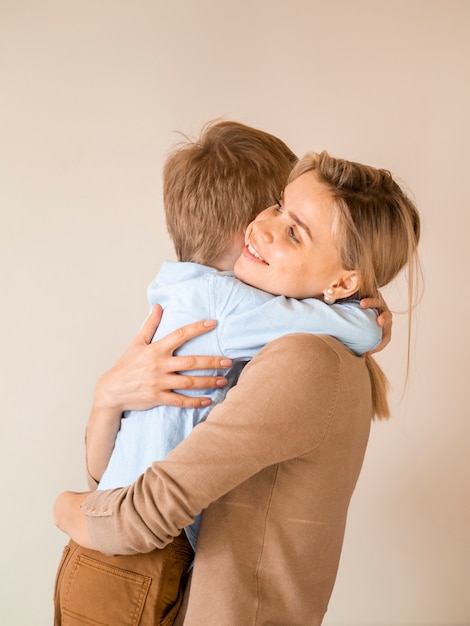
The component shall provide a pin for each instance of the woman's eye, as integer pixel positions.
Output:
(292, 235)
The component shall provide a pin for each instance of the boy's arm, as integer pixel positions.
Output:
(145, 376)
(257, 319)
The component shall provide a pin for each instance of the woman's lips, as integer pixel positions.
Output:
(253, 254)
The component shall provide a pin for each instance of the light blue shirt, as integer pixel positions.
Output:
(247, 319)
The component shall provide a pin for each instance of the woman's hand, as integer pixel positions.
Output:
(69, 517)
(146, 374)
(384, 320)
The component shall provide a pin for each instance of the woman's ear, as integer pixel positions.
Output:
(345, 286)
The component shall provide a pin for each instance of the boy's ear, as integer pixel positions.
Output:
(346, 285)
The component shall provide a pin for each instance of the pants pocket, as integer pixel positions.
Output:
(98, 593)
(130, 590)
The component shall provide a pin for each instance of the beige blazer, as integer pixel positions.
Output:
(273, 468)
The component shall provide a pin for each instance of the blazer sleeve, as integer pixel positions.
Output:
(280, 409)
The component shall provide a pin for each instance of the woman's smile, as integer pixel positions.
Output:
(252, 252)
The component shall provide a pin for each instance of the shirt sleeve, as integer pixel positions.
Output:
(280, 409)
(250, 318)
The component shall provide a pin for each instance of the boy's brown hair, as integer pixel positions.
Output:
(215, 185)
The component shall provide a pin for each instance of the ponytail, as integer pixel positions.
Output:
(379, 387)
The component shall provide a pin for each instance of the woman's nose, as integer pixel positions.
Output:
(264, 229)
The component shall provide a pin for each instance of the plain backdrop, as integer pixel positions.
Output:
(91, 96)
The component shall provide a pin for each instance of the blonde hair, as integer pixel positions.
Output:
(377, 227)
(214, 186)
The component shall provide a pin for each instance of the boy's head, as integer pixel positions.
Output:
(213, 187)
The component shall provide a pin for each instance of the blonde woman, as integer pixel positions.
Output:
(282, 454)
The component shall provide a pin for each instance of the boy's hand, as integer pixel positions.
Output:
(384, 320)
(146, 374)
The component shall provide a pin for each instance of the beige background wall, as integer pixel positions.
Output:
(90, 94)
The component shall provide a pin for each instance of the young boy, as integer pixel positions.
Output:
(223, 169)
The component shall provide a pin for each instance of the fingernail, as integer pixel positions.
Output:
(225, 363)
(205, 402)
(221, 382)
(209, 323)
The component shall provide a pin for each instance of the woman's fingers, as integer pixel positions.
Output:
(171, 398)
(384, 320)
(146, 333)
(175, 339)
(374, 303)
(147, 374)
(191, 362)
(168, 344)
(171, 382)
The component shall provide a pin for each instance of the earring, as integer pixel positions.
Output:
(327, 298)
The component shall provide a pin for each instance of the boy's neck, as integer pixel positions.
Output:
(226, 261)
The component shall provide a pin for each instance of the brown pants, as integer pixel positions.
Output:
(135, 590)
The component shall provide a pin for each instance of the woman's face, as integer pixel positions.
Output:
(289, 248)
